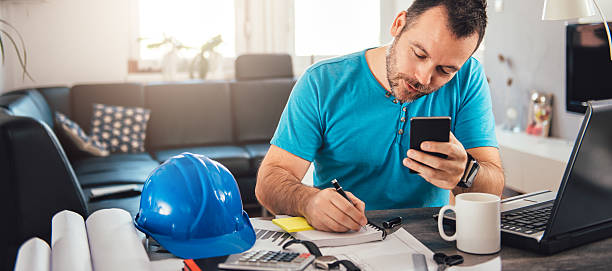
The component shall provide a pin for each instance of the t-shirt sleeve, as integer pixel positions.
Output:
(475, 124)
(299, 130)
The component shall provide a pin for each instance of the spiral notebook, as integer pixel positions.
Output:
(369, 233)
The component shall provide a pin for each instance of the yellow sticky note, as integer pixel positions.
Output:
(293, 224)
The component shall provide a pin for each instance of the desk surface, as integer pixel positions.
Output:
(419, 222)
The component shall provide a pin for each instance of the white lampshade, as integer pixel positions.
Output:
(567, 9)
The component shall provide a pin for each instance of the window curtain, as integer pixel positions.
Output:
(264, 26)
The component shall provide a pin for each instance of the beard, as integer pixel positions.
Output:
(401, 83)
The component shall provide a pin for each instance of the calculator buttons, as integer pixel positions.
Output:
(268, 260)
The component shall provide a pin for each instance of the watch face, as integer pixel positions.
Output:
(323, 262)
(473, 171)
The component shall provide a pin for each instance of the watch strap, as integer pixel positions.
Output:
(470, 165)
(350, 266)
(312, 247)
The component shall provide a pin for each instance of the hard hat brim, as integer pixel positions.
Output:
(231, 243)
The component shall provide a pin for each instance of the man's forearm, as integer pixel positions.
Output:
(281, 192)
(490, 179)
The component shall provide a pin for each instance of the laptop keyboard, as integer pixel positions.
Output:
(527, 221)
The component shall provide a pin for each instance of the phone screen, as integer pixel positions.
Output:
(429, 129)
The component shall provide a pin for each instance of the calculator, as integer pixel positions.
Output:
(268, 260)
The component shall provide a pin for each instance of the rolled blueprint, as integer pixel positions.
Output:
(69, 242)
(33, 255)
(114, 242)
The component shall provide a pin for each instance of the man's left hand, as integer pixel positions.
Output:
(443, 173)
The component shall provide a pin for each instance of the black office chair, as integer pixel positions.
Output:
(36, 181)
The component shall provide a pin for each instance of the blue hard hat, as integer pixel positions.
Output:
(191, 205)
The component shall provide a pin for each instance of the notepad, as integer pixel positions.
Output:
(293, 224)
(369, 233)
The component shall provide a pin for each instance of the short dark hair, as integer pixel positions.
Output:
(465, 17)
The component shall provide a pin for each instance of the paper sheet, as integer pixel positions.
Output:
(33, 255)
(174, 264)
(366, 234)
(394, 253)
(268, 236)
(107, 191)
(69, 243)
(264, 225)
(114, 242)
(490, 265)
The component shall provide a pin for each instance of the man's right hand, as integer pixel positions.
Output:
(327, 210)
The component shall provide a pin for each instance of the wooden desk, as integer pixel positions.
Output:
(419, 222)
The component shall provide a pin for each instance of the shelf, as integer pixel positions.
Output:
(546, 147)
(533, 163)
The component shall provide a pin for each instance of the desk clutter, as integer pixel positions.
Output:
(391, 253)
(108, 240)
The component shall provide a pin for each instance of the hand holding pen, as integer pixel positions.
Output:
(328, 210)
(341, 192)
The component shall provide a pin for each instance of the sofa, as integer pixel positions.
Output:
(231, 122)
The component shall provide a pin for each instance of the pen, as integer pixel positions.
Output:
(343, 194)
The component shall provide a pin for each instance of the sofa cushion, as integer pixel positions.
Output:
(111, 177)
(58, 99)
(8, 99)
(234, 158)
(114, 162)
(83, 98)
(258, 106)
(262, 66)
(188, 114)
(246, 185)
(120, 168)
(119, 128)
(257, 152)
(28, 103)
(82, 141)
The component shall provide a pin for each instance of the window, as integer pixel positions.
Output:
(336, 27)
(191, 22)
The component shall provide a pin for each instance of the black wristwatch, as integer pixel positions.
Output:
(323, 262)
(471, 169)
(331, 262)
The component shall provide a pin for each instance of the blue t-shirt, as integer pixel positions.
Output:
(339, 117)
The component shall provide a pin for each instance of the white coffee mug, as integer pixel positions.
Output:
(477, 223)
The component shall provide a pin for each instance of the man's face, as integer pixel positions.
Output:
(426, 56)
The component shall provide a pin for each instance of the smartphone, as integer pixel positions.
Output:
(429, 129)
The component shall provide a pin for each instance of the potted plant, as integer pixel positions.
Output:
(202, 60)
(170, 60)
(6, 35)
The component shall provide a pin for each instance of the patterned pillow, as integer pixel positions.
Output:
(119, 128)
(76, 134)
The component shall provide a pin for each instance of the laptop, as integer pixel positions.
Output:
(580, 212)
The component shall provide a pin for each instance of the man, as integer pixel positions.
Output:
(350, 116)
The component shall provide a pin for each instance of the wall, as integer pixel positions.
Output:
(69, 41)
(73, 41)
(537, 51)
(388, 10)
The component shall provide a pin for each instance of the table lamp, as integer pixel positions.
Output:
(571, 9)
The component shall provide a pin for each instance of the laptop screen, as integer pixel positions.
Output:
(585, 195)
